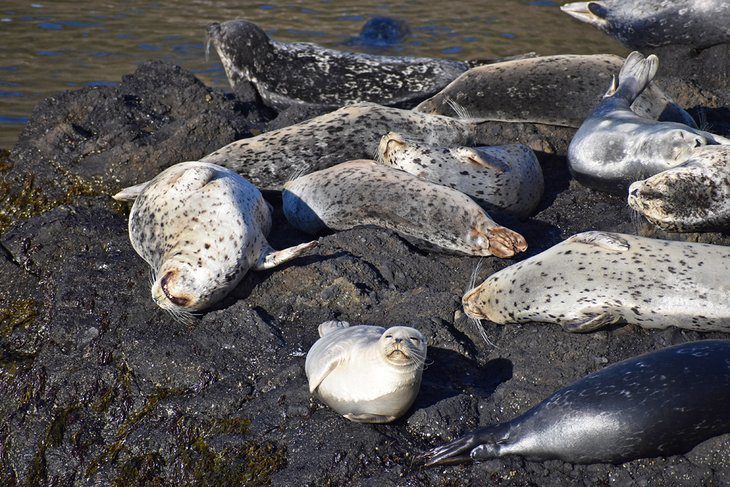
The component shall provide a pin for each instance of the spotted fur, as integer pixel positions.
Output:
(596, 278)
(365, 193)
(506, 177)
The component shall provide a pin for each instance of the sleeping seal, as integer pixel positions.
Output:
(200, 227)
(595, 279)
(691, 197)
(366, 373)
(557, 90)
(365, 193)
(658, 404)
(505, 177)
(652, 23)
(304, 73)
(615, 147)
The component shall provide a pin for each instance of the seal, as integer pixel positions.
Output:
(380, 32)
(658, 404)
(200, 227)
(504, 178)
(366, 373)
(364, 193)
(615, 147)
(691, 197)
(594, 279)
(353, 132)
(308, 74)
(653, 23)
(556, 90)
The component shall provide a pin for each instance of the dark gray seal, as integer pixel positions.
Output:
(304, 73)
(653, 23)
(595, 279)
(557, 90)
(366, 193)
(657, 404)
(692, 197)
(615, 147)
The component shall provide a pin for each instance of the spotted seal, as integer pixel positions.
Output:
(353, 132)
(653, 23)
(364, 193)
(506, 177)
(691, 197)
(595, 279)
(658, 404)
(557, 90)
(304, 73)
(615, 147)
(200, 227)
(366, 373)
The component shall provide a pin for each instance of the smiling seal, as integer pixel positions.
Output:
(365, 193)
(692, 197)
(308, 74)
(506, 177)
(657, 404)
(652, 23)
(594, 279)
(200, 227)
(615, 147)
(366, 373)
(556, 90)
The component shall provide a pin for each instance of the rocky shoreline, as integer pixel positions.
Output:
(102, 387)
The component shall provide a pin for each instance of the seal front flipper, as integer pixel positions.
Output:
(474, 156)
(131, 193)
(592, 322)
(330, 326)
(368, 418)
(271, 258)
(607, 241)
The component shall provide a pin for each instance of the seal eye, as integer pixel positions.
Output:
(388, 336)
(415, 339)
(597, 9)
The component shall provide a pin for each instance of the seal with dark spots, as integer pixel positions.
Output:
(505, 177)
(365, 193)
(200, 227)
(366, 373)
(557, 90)
(594, 279)
(691, 197)
(304, 73)
(653, 23)
(655, 405)
(353, 132)
(615, 147)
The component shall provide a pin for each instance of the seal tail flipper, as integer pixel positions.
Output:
(636, 73)
(481, 444)
(272, 258)
(503, 242)
(131, 193)
(330, 326)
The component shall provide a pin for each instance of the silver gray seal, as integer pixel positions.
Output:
(366, 373)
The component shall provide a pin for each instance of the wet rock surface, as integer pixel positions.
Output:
(100, 386)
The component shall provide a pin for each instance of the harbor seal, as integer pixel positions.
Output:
(504, 178)
(556, 90)
(615, 147)
(691, 197)
(661, 403)
(594, 279)
(653, 23)
(365, 193)
(366, 373)
(353, 132)
(308, 74)
(200, 227)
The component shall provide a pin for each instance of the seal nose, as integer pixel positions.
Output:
(398, 340)
(173, 299)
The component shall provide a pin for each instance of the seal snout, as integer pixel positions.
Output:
(470, 302)
(165, 286)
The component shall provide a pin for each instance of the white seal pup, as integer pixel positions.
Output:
(653, 23)
(366, 373)
(557, 90)
(505, 177)
(691, 197)
(200, 227)
(615, 147)
(595, 279)
(365, 193)
(658, 404)
(353, 132)
(305, 73)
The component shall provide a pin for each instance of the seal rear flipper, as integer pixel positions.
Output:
(481, 444)
(636, 73)
(612, 242)
(271, 258)
(592, 322)
(131, 193)
(330, 326)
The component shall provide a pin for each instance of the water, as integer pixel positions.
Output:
(51, 46)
